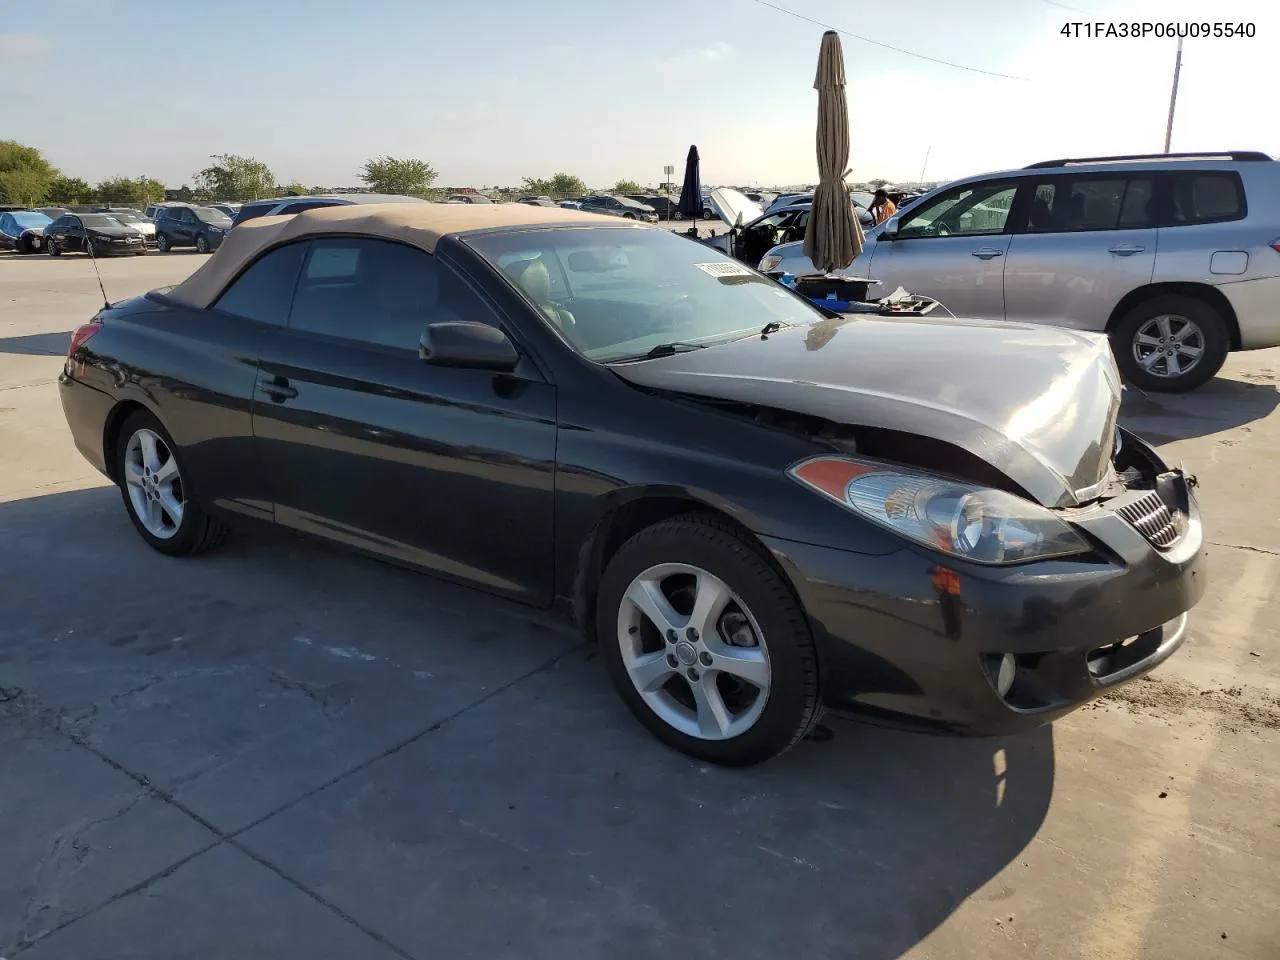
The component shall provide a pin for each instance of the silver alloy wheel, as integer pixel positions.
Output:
(1168, 345)
(703, 668)
(155, 486)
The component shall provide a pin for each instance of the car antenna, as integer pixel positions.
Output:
(88, 245)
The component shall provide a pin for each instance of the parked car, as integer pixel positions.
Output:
(468, 198)
(754, 508)
(664, 207)
(53, 213)
(153, 210)
(759, 233)
(199, 227)
(618, 207)
(23, 230)
(97, 233)
(140, 222)
(230, 209)
(1173, 256)
(281, 206)
(538, 201)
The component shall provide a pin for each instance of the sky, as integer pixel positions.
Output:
(491, 91)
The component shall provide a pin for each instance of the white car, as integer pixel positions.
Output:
(1175, 256)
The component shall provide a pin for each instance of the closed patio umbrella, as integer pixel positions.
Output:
(691, 193)
(833, 236)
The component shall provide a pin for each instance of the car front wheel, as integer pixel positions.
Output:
(156, 491)
(162, 243)
(706, 644)
(202, 244)
(52, 248)
(1170, 344)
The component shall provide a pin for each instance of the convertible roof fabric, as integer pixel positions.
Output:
(417, 224)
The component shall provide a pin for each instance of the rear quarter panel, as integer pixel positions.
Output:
(195, 370)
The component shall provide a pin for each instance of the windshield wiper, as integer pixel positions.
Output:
(773, 326)
(663, 350)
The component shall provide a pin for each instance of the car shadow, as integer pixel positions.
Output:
(1219, 405)
(37, 344)
(859, 842)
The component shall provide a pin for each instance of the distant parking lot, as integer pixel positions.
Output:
(281, 750)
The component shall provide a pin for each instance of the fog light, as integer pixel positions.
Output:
(1004, 674)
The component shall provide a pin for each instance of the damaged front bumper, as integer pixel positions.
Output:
(918, 638)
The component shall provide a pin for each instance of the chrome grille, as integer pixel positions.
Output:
(1152, 518)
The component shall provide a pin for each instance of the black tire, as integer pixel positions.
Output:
(202, 244)
(793, 705)
(51, 247)
(162, 243)
(708, 213)
(198, 531)
(1211, 334)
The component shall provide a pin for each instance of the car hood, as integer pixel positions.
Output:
(114, 231)
(1037, 403)
(729, 204)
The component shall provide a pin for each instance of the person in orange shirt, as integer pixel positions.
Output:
(882, 208)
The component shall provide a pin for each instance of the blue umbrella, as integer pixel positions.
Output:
(691, 192)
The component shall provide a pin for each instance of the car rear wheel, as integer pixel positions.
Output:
(708, 213)
(156, 492)
(1171, 344)
(202, 244)
(162, 243)
(705, 643)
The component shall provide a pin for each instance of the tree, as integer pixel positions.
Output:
(877, 183)
(559, 186)
(124, 191)
(67, 191)
(294, 189)
(627, 186)
(25, 175)
(409, 177)
(233, 177)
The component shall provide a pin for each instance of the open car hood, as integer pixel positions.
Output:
(1039, 404)
(729, 203)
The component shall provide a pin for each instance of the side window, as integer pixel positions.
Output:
(1205, 197)
(378, 292)
(1075, 204)
(264, 291)
(7, 224)
(971, 210)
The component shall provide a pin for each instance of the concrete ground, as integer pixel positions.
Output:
(279, 750)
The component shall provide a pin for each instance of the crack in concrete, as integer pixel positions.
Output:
(63, 860)
(151, 790)
(1242, 546)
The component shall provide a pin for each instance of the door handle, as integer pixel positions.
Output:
(1125, 249)
(278, 390)
(987, 253)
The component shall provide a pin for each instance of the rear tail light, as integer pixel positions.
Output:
(82, 335)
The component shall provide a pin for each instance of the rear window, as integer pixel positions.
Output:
(1207, 197)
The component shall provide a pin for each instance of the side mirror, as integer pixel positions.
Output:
(469, 344)
(890, 229)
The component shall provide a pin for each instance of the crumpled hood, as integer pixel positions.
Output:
(1037, 403)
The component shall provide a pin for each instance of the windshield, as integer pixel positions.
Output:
(28, 219)
(616, 294)
(128, 217)
(99, 220)
(215, 218)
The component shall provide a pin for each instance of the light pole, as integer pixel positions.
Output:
(1173, 97)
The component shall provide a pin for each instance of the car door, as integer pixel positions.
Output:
(446, 468)
(952, 249)
(207, 400)
(1083, 241)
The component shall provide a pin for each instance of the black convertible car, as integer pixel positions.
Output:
(758, 510)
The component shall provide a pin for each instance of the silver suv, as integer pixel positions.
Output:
(1175, 256)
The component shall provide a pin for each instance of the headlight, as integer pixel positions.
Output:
(770, 263)
(951, 516)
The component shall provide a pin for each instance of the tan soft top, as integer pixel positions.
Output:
(418, 224)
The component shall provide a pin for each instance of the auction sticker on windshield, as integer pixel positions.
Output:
(724, 268)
